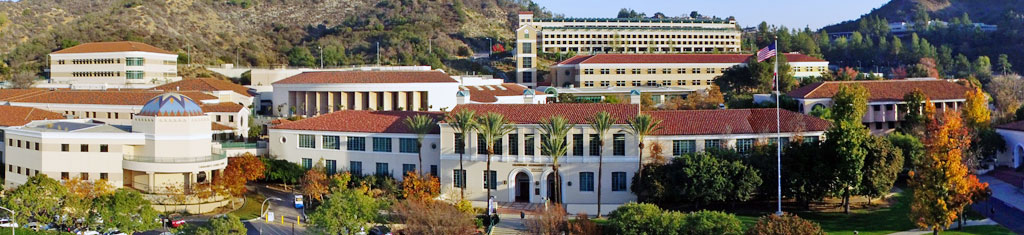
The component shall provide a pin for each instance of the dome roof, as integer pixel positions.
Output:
(171, 104)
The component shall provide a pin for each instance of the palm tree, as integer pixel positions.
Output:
(641, 126)
(421, 125)
(492, 126)
(557, 128)
(601, 122)
(463, 122)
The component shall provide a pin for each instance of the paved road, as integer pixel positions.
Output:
(1007, 202)
(273, 228)
(285, 207)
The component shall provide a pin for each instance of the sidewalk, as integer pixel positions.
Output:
(1008, 194)
(966, 224)
(1006, 205)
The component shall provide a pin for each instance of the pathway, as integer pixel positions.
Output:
(966, 224)
(1006, 206)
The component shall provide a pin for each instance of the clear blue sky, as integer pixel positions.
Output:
(791, 13)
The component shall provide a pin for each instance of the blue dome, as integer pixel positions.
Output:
(171, 104)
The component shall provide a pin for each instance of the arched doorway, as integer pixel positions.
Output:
(522, 193)
(1017, 156)
(551, 188)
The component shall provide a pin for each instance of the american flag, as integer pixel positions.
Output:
(766, 53)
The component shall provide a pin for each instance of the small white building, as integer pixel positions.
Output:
(1013, 134)
(117, 64)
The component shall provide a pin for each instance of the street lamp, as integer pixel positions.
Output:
(11, 218)
(264, 213)
(321, 49)
(490, 48)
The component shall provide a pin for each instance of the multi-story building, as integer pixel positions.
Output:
(165, 150)
(225, 91)
(17, 116)
(886, 106)
(617, 35)
(317, 93)
(121, 64)
(377, 142)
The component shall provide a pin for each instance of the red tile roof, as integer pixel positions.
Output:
(1013, 126)
(92, 47)
(359, 121)
(576, 113)
(368, 77)
(17, 116)
(110, 97)
(674, 58)
(204, 84)
(733, 121)
(220, 127)
(12, 94)
(885, 90)
(489, 94)
(223, 107)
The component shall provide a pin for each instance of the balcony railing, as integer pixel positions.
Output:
(134, 158)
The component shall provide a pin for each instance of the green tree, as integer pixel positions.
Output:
(706, 222)
(283, 171)
(1004, 64)
(847, 135)
(601, 123)
(39, 199)
(255, 130)
(462, 122)
(809, 172)
(911, 148)
(421, 125)
(300, 56)
(916, 117)
(334, 54)
(556, 128)
(641, 126)
(492, 126)
(127, 210)
(228, 224)
(882, 164)
(346, 211)
(983, 68)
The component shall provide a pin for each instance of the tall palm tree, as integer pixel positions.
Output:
(421, 125)
(556, 128)
(463, 122)
(492, 126)
(641, 126)
(601, 122)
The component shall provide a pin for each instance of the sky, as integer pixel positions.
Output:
(791, 13)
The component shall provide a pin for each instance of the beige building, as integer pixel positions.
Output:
(886, 108)
(120, 64)
(165, 150)
(617, 35)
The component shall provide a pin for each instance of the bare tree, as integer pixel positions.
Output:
(22, 80)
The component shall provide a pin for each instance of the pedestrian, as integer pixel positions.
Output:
(522, 215)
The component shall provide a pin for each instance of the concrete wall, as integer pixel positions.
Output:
(1013, 155)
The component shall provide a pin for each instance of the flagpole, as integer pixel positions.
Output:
(778, 130)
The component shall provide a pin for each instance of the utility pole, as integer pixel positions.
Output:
(490, 47)
(378, 53)
(321, 49)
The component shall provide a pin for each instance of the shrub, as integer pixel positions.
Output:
(644, 218)
(712, 222)
(551, 220)
(583, 225)
(785, 224)
(434, 217)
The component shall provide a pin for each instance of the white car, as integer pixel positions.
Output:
(90, 232)
(7, 223)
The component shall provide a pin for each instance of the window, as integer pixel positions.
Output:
(878, 125)
(460, 144)
(785, 141)
(356, 143)
(231, 118)
(527, 76)
(711, 144)
(620, 71)
(577, 144)
(620, 83)
(666, 83)
(307, 141)
(586, 181)
(543, 139)
(382, 168)
(681, 71)
(133, 74)
(408, 145)
(528, 144)
(605, 83)
(588, 83)
(680, 147)
(636, 83)
(595, 145)
(355, 168)
(459, 178)
(605, 71)
(65, 176)
(588, 71)
(433, 170)
(527, 62)
(618, 181)
(652, 71)
(810, 139)
(381, 144)
(103, 176)
(331, 142)
(85, 148)
(83, 175)
(513, 144)
(696, 70)
(634, 71)
(491, 180)
(37, 146)
(744, 145)
(619, 144)
(527, 46)
(331, 166)
(406, 168)
(666, 71)
(103, 148)
(218, 119)
(307, 163)
(65, 147)
(134, 61)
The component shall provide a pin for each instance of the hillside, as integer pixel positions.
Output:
(262, 32)
(984, 11)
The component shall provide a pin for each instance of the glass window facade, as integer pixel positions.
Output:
(408, 145)
(680, 147)
(618, 181)
(332, 142)
(586, 181)
(381, 144)
(356, 143)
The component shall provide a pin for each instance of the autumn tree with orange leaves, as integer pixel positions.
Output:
(240, 170)
(315, 183)
(941, 183)
(420, 188)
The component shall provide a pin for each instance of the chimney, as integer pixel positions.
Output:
(528, 96)
(634, 97)
(462, 97)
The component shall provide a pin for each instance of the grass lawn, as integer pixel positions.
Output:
(251, 208)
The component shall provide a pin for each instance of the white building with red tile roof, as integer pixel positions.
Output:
(1013, 154)
(118, 64)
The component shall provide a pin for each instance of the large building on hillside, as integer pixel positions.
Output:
(17, 116)
(377, 142)
(886, 107)
(166, 149)
(657, 74)
(317, 93)
(119, 64)
(617, 35)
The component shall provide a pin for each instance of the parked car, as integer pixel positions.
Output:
(380, 230)
(115, 232)
(7, 223)
(87, 232)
